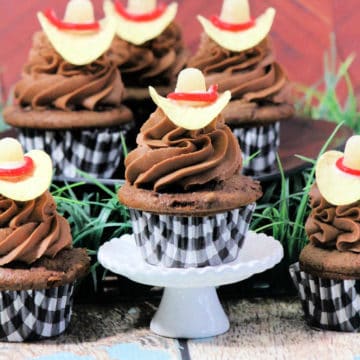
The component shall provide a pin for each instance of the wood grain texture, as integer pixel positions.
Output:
(261, 329)
(267, 329)
(102, 332)
(347, 30)
(300, 32)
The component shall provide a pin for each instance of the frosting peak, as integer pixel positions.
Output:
(170, 158)
(333, 226)
(253, 76)
(29, 230)
(51, 82)
(156, 62)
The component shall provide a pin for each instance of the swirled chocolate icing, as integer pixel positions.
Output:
(333, 226)
(156, 62)
(32, 229)
(252, 76)
(169, 158)
(50, 82)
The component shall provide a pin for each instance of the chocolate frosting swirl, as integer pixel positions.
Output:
(333, 226)
(251, 75)
(32, 229)
(156, 62)
(169, 158)
(48, 81)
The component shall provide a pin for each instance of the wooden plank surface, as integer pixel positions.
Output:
(260, 329)
(301, 32)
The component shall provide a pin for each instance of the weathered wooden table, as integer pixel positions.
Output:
(260, 329)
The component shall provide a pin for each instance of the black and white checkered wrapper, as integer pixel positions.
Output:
(182, 242)
(97, 151)
(328, 304)
(263, 139)
(35, 314)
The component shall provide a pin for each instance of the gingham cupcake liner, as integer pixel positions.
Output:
(35, 314)
(182, 242)
(97, 151)
(328, 304)
(263, 139)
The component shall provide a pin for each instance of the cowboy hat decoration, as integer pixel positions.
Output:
(191, 106)
(235, 29)
(23, 177)
(78, 38)
(142, 20)
(338, 174)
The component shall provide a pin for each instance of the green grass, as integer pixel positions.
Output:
(283, 209)
(94, 217)
(3, 125)
(321, 101)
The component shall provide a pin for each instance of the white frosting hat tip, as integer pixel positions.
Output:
(189, 80)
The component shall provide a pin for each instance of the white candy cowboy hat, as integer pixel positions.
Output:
(191, 106)
(234, 29)
(23, 177)
(142, 20)
(79, 39)
(338, 174)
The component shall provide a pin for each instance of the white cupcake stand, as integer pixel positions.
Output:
(190, 307)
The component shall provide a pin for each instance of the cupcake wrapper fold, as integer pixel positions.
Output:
(328, 304)
(35, 314)
(181, 242)
(97, 151)
(263, 139)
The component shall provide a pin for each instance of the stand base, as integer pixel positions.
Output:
(190, 313)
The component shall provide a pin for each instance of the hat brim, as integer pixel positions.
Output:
(138, 33)
(336, 186)
(33, 186)
(190, 117)
(244, 39)
(79, 49)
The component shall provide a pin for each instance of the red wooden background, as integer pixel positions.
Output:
(301, 32)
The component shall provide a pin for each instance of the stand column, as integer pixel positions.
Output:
(190, 313)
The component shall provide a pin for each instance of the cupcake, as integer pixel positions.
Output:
(148, 50)
(38, 266)
(68, 102)
(189, 205)
(328, 272)
(236, 52)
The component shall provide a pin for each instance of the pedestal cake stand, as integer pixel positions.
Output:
(190, 307)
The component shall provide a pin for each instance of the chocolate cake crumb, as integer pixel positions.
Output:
(67, 266)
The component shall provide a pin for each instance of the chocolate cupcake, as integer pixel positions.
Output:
(148, 50)
(68, 101)
(236, 53)
(189, 205)
(327, 274)
(38, 266)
